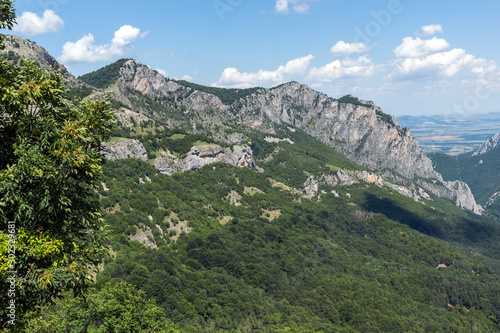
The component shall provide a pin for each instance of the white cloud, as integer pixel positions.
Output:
(187, 78)
(161, 71)
(441, 65)
(428, 58)
(31, 24)
(415, 48)
(299, 6)
(84, 50)
(347, 68)
(281, 6)
(232, 77)
(431, 30)
(342, 48)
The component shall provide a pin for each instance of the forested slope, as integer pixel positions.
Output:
(255, 254)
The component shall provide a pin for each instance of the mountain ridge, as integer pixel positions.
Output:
(358, 129)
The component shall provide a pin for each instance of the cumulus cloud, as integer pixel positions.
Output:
(299, 6)
(414, 48)
(84, 49)
(417, 58)
(232, 77)
(442, 64)
(431, 30)
(342, 48)
(339, 69)
(302, 8)
(281, 6)
(31, 24)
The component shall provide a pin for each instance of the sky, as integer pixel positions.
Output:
(411, 57)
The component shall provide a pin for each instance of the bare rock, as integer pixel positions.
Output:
(125, 148)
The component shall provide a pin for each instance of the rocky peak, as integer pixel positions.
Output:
(21, 47)
(488, 145)
(146, 80)
(359, 129)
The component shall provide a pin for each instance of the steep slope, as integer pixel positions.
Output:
(356, 128)
(16, 47)
(480, 169)
(232, 249)
(488, 145)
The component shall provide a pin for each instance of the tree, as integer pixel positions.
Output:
(7, 17)
(117, 308)
(51, 230)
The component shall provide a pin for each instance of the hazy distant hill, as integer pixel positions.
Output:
(452, 134)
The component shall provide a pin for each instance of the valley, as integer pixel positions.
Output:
(452, 134)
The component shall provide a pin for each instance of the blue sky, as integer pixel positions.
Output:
(410, 57)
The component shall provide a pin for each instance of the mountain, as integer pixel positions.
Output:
(358, 129)
(285, 210)
(16, 47)
(480, 169)
(488, 145)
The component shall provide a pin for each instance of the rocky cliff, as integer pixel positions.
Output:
(488, 145)
(125, 148)
(202, 155)
(21, 47)
(356, 128)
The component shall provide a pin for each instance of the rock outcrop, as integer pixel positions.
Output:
(358, 129)
(27, 49)
(200, 156)
(125, 148)
(311, 186)
(456, 191)
(492, 199)
(488, 145)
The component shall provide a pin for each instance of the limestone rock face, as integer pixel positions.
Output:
(198, 157)
(463, 196)
(125, 148)
(488, 145)
(311, 186)
(493, 199)
(147, 81)
(457, 191)
(27, 49)
(361, 131)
